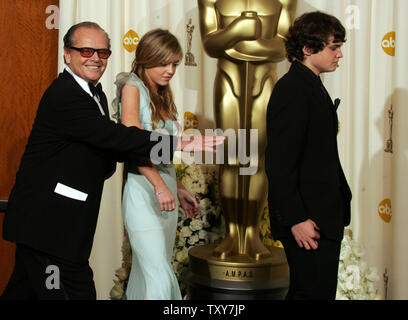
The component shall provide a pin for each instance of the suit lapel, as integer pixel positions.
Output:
(104, 104)
(330, 105)
(103, 101)
(319, 90)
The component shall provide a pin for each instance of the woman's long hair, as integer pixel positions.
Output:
(157, 47)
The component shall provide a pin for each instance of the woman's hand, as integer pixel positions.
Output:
(188, 202)
(165, 198)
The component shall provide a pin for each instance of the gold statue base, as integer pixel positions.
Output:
(237, 277)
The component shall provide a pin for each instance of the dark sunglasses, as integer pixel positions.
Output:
(89, 52)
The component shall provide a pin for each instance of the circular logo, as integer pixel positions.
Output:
(190, 121)
(388, 43)
(384, 210)
(131, 40)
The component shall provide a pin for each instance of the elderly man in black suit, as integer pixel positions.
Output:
(73, 147)
(309, 198)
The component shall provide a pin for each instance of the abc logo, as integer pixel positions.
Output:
(190, 121)
(130, 40)
(388, 43)
(384, 210)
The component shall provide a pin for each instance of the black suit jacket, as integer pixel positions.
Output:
(74, 145)
(305, 176)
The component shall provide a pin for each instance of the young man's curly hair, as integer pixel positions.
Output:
(312, 30)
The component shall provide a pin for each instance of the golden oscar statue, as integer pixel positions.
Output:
(246, 36)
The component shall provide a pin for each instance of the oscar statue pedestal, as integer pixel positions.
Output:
(238, 277)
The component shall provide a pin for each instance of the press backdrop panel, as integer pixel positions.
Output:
(371, 79)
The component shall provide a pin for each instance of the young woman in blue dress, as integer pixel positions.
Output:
(149, 204)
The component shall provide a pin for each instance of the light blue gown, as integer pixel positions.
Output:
(151, 231)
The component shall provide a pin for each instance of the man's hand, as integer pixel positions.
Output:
(306, 235)
(199, 143)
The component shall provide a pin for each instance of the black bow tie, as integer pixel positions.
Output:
(95, 90)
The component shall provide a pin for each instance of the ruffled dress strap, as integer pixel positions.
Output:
(145, 112)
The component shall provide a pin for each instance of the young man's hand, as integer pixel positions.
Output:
(306, 234)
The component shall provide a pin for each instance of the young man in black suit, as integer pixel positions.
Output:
(73, 147)
(309, 198)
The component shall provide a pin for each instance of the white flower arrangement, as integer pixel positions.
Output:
(205, 228)
(356, 281)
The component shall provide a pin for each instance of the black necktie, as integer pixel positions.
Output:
(97, 90)
(336, 103)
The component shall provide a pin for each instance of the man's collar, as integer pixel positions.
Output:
(307, 69)
(84, 85)
(307, 72)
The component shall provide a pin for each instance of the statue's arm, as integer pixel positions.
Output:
(272, 50)
(217, 39)
(287, 16)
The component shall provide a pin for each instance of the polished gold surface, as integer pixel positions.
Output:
(246, 36)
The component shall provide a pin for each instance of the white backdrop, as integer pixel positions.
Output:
(370, 79)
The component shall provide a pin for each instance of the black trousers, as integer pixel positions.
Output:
(313, 273)
(39, 276)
